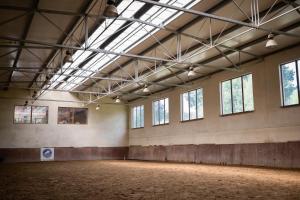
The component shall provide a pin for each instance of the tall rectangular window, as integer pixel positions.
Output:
(31, 115)
(137, 117)
(290, 87)
(160, 112)
(237, 95)
(192, 105)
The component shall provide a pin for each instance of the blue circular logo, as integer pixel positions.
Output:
(47, 153)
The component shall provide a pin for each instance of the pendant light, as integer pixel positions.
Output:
(118, 99)
(98, 107)
(68, 57)
(191, 72)
(111, 9)
(146, 89)
(271, 42)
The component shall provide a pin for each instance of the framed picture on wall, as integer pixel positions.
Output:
(80, 115)
(67, 115)
(31, 115)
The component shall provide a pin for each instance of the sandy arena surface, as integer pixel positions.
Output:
(104, 180)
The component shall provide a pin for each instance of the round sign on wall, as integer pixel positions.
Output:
(47, 154)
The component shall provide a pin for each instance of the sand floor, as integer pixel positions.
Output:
(143, 180)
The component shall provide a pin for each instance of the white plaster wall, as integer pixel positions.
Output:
(268, 123)
(106, 127)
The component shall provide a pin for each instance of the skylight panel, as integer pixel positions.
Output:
(81, 58)
(132, 9)
(105, 34)
(94, 36)
(69, 86)
(114, 25)
(92, 61)
(78, 80)
(150, 13)
(123, 5)
(135, 33)
(71, 79)
(64, 84)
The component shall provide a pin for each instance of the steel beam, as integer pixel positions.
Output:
(59, 100)
(180, 30)
(56, 90)
(70, 75)
(24, 36)
(204, 14)
(114, 35)
(220, 18)
(251, 43)
(13, 18)
(288, 28)
(146, 58)
(74, 24)
(3, 68)
(216, 72)
(227, 31)
(30, 70)
(294, 4)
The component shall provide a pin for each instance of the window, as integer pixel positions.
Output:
(237, 95)
(39, 115)
(137, 117)
(192, 105)
(290, 87)
(160, 112)
(31, 115)
(72, 115)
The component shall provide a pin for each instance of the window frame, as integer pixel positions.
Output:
(132, 108)
(31, 114)
(87, 117)
(153, 112)
(281, 83)
(243, 101)
(181, 105)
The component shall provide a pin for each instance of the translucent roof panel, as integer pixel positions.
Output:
(133, 34)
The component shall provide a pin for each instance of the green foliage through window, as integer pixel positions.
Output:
(237, 95)
(290, 83)
(192, 105)
(137, 116)
(160, 110)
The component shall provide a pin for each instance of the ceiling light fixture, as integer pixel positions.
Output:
(146, 89)
(271, 42)
(111, 9)
(68, 57)
(118, 99)
(98, 107)
(34, 94)
(191, 72)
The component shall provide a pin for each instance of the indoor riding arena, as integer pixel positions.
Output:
(149, 99)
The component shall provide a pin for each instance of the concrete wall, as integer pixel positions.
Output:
(269, 123)
(101, 130)
(269, 136)
(64, 154)
(282, 155)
